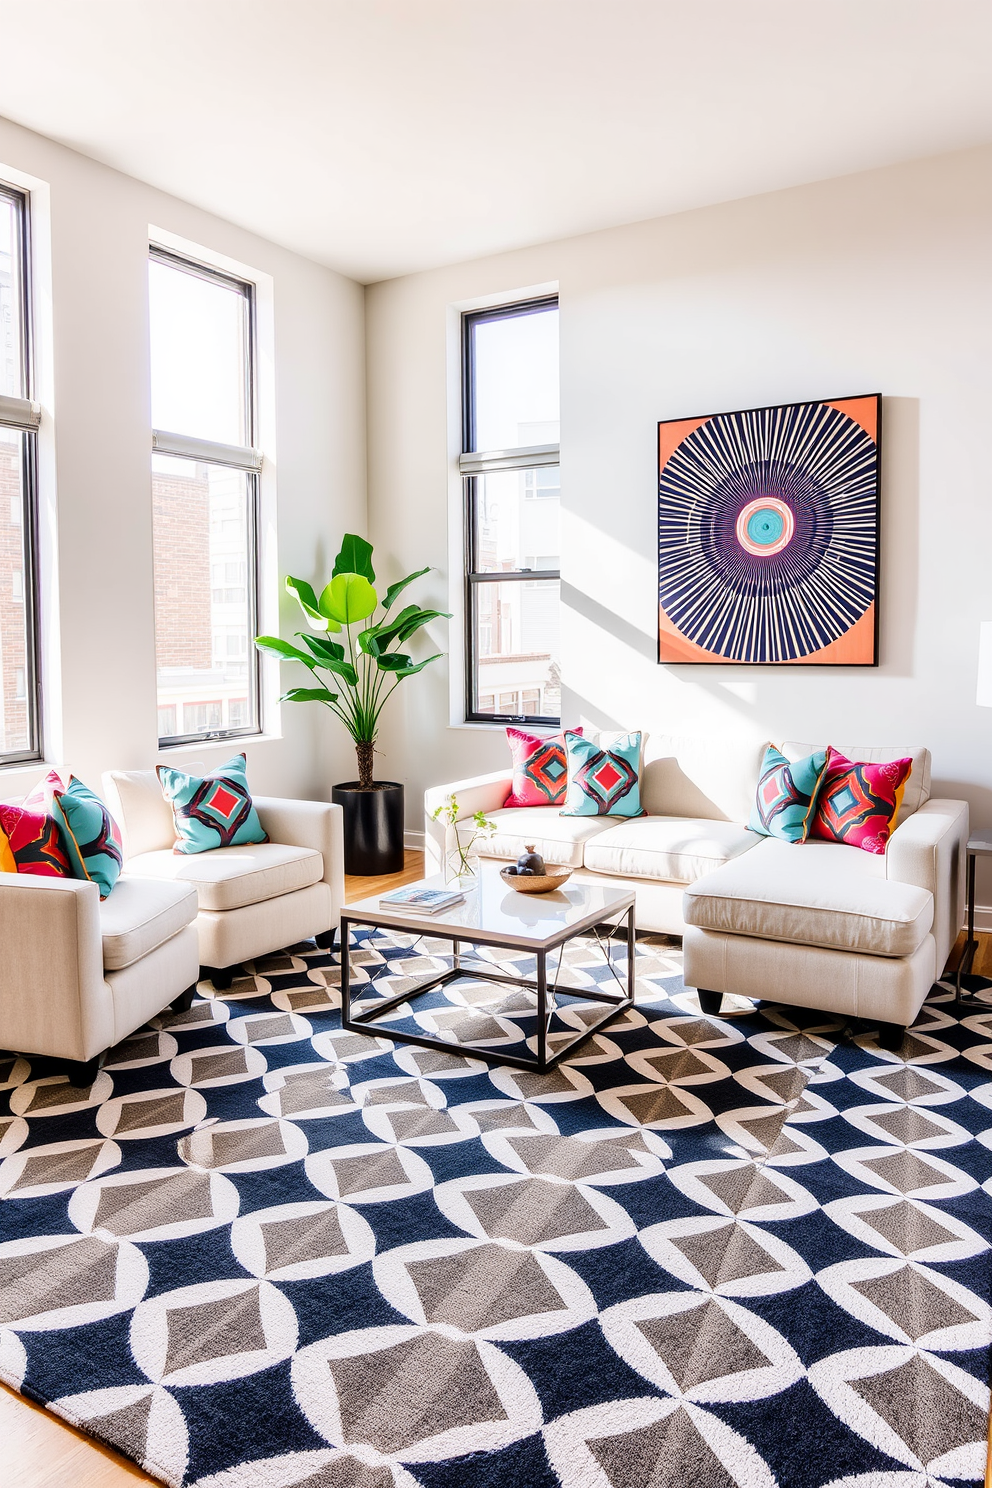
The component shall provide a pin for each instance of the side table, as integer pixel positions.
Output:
(979, 846)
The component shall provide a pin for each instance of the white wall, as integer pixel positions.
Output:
(99, 617)
(876, 282)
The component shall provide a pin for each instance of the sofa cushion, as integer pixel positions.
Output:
(669, 848)
(821, 893)
(140, 914)
(559, 839)
(231, 877)
(917, 785)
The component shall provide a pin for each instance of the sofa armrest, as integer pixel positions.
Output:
(929, 849)
(315, 824)
(481, 793)
(53, 996)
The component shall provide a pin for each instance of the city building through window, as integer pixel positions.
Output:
(510, 470)
(20, 722)
(204, 497)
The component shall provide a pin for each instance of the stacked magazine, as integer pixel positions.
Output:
(420, 899)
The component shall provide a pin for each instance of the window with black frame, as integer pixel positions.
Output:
(204, 500)
(510, 472)
(20, 417)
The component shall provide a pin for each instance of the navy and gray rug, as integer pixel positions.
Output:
(261, 1252)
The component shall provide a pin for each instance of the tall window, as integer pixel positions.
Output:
(205, 498)
(20, 723)
(510, 470)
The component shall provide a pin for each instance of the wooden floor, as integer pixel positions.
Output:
(42, 1452)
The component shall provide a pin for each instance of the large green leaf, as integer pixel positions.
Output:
(414, 623)
(309, 695)
(378, 637)
(342, 669)
(347, 598)
(397, 588)
(355, 557)
(409, 667)
(273, 646)
(303, 593)
(323, 649)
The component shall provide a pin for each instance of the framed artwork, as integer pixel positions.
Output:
(768, 535)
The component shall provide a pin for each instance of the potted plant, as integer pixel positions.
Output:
(365, 668)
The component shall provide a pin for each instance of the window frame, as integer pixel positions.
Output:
(246, 459)
(23, 415)
(474, 463)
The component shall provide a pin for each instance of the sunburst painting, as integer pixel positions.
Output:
(768, 535)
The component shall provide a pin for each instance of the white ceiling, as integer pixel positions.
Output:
(385, 136)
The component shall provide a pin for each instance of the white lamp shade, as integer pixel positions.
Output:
(984, 697)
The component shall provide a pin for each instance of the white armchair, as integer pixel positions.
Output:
(252, 900)
(77, 976)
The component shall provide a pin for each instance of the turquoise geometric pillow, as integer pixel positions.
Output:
(90, 837)
(603, 782)
(212, 811)
(785, 801)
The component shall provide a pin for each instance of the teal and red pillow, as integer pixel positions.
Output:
(540, 769)
(603, 781)
(785, 801)
(30, 842)
(91, 839)
(858, 802)
(212, 810)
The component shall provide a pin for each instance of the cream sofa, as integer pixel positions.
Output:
(251, 900)
(820, 925)
(77, 975)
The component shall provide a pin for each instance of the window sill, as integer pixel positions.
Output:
(537, 728)
(233, 745)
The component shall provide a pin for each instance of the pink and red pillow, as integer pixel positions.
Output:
(540, 769)
(30, 842)
(858, 802)
(90, 837)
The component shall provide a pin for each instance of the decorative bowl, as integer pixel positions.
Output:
(536, 883)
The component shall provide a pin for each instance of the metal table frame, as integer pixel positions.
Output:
(978, 847)
(363, 1021)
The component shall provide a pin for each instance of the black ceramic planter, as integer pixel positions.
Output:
(373, 826)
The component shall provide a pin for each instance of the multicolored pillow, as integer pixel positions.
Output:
(212, 811)
(540, 769)
(30, 842)
(603, 782)
(785, 801)
(858, 803)
(91, 839)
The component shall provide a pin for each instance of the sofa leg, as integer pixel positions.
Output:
(325, 940)
(220, 976)
(709, 1002)
(184, 1001)
(890, 1036)
(82, 1072)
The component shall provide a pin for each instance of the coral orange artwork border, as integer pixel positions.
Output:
(857, 647)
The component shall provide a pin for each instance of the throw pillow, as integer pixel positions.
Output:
(858, 802)
(91, 839)
(30, 842)
(785, 801)
(603, 782)
(214, 810)
(540, 769)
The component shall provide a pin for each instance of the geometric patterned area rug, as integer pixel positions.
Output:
(261, 1252)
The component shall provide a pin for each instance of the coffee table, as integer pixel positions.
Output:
(497, 916)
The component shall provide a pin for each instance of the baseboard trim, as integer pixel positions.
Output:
(414, 842)
(983, 918)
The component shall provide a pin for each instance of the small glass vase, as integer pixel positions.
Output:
(461, 866)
